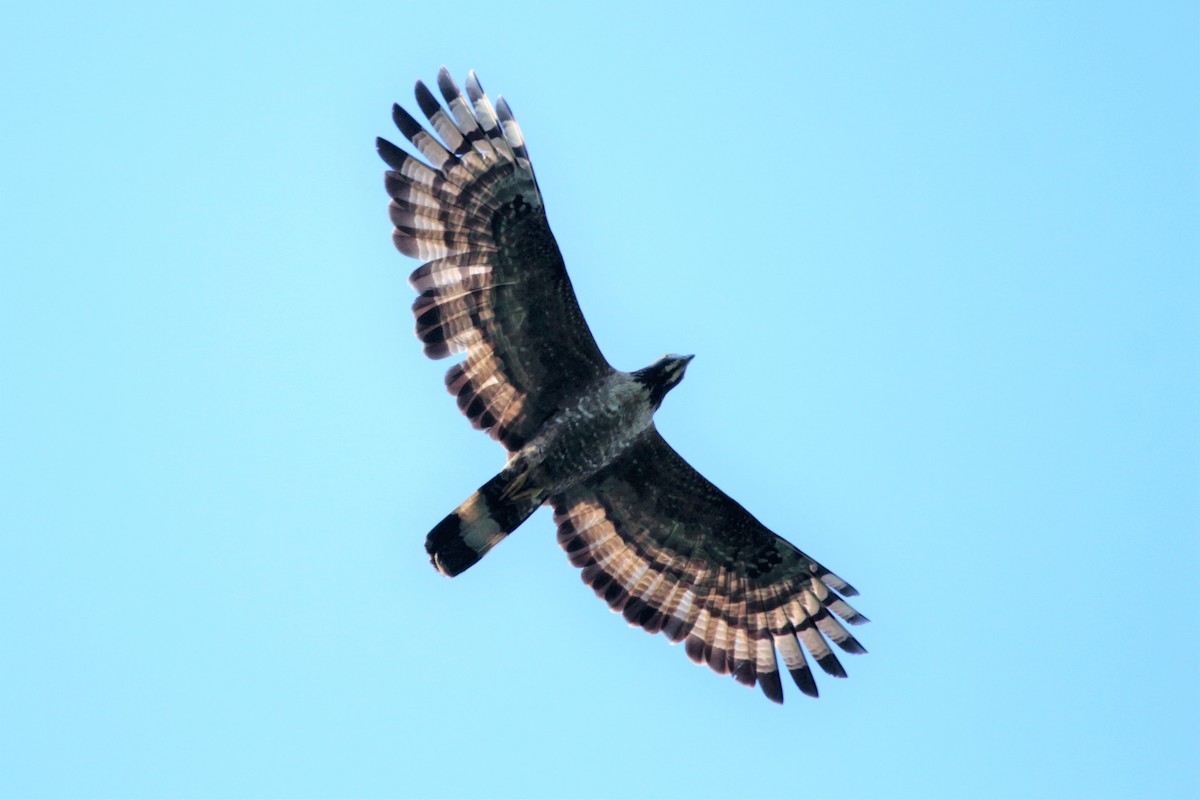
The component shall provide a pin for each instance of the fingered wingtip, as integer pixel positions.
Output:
(832, 666)
(503, 110)
(474, 87)
(446, 84)
(392, 155)
(852, 645)
(771, 686)
(804, 681)
(405, 122)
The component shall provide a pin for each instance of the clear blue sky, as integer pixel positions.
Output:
(939, 263)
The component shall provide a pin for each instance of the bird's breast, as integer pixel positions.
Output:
(588, 433)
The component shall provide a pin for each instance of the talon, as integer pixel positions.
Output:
(514, 488)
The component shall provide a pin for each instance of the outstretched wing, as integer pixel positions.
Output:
(495, 286)
(674, 554)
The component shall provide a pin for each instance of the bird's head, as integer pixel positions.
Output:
(662, 376)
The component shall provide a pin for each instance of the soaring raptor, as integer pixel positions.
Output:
(660, 544)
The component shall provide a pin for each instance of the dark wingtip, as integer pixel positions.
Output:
(804, 680)
(600, 583)
(427, 102)
(393, 156)
(615, 596)
(446, 84)
(852, 645)
(771, 686)
(744, 672)
(718, 659)
(649, 618)
(504, 110)
(831, 665)
(474, 87)
(673, 628)
(633, 609)
(405, 122)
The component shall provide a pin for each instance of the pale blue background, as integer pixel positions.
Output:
(938, 262)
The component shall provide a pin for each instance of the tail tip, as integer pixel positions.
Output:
(448, 552)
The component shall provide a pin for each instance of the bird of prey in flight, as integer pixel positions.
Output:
(661, 545)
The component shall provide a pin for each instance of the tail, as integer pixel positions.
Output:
(478, 525)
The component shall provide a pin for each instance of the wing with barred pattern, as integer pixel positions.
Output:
(675, 555)
(494, 286)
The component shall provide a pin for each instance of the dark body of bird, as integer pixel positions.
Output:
(660, 544)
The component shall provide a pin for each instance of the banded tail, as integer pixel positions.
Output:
(486, 517)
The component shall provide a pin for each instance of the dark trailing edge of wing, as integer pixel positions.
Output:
(674, 555)
(467, 204)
